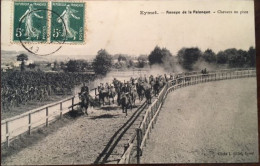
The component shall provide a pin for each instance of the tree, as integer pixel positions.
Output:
(71, 66)
(31, 66)
(76, 66)
(187, 57)
(121, 58)
(251, 58)
(22, 58)
(222, 57)
(130, 63)
(102, 63)
(55, 66)
(209, 56)
(142, 59)
(62, 65)
(158, 55)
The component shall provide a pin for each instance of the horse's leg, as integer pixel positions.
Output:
(87, 110)
(83, 110)
(126, 111)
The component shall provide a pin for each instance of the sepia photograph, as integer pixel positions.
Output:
(86, 82)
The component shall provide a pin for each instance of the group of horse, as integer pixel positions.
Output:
(126, 93)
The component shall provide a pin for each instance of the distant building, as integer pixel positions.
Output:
(29, 62)
(4, 68)
(17, 63)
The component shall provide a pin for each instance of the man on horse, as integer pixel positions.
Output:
(125, 100)
(84, 97)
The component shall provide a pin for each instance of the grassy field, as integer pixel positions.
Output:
(213, 122)
(29, 106)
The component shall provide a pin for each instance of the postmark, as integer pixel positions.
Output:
(69, 23)
(43, 47)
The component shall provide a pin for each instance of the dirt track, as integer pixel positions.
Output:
(81, 142)
(212, 122)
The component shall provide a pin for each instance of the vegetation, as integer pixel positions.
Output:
(187, 57)
(19, 87)
(22, 58)
(75, 66)
(142, 59)
(158, 55)
(231, 58)
(102, 63)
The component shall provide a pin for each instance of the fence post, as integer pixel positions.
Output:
(138, 141)
(7, 134)
(60, 109)
(125, 147)
(72, 103)
(47, 118)
(30, 121)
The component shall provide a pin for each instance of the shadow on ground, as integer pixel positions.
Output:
(25, 140)
(104, 116)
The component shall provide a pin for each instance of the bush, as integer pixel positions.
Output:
(102, 63)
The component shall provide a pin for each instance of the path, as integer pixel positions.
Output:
(211, 122)
(78, 143)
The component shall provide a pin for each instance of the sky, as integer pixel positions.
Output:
(118, 27)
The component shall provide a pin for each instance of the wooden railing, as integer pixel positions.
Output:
(138, 140)
(26, 122)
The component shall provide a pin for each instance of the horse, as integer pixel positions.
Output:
(125, 102)
(156, 88)
(140, 91)
(133, 95)
(102, 95)
(148, 92)
(84, 97)
(148, 95)
(204, 72)
(111, 94)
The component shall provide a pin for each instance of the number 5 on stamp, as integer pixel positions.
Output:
(30, 21)
(67, 22)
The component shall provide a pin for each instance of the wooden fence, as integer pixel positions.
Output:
(138, 140)
(26, 122)
(15, 126)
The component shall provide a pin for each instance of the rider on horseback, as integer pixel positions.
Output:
(84, 97)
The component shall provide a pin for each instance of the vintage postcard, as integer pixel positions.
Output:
(128, 82)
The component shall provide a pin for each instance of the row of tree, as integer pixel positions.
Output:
(186, 57)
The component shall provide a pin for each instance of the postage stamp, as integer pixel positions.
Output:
(30, 21)
(67, 21)
(38, 24)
